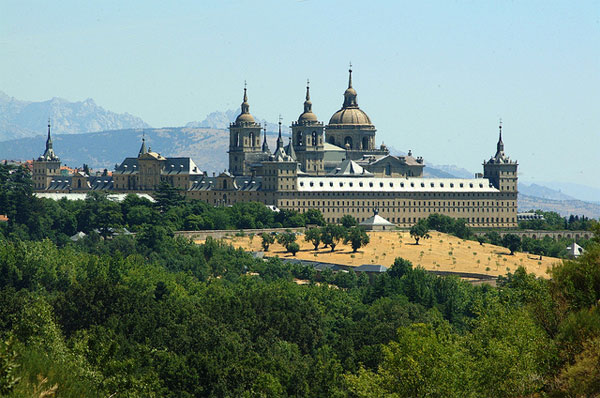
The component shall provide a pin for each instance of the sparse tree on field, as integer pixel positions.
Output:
(267, 240)
(293, 248)
(357, 238)
(512, 242)
(419, 231)
(313, 236)
(286, 238)
(332, 234)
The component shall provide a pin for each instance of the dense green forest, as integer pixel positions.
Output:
(159, 316)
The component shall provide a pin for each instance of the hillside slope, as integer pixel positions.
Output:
(440, 253)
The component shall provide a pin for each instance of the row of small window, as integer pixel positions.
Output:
(409, 220)
(391, 184)
(366, 193)
(404, 204)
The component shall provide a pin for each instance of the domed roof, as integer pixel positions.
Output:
(350, 114)
(245, 116)
(307, 115)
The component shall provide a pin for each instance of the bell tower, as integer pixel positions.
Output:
(308, 138)
(500, 170)
(244, 140)
(47, 166)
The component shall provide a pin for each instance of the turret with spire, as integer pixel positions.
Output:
(47, 166)
(265, 145)
(49, 154)
(244, 140)
(500, 170)
(245, 117)
(500, 157)
(350, 93)
(307, 139)
(279, 139)
(143, 149)
(291, 151)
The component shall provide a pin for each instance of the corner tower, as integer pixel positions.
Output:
(500, 170)
(47, 166)
(307, 140)
(244, 140)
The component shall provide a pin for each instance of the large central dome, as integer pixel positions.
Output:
(350, 114)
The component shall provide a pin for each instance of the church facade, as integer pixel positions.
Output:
(335, 168)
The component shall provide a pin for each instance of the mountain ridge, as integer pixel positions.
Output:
(20, 119)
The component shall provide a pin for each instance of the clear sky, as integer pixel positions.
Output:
(434, 77)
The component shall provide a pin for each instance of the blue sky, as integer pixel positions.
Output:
(434, 77)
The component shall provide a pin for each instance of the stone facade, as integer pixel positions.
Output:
(306, 175)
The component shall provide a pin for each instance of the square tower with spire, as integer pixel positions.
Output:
(244, 141)
(500, 169)
(47, 166)
(307, 140)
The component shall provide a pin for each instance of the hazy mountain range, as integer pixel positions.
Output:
(20, 119)
(84, 132)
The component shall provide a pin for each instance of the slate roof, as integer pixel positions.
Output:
(371, 268)
(244, 183)
(376, 220)
(172, 166)
(349, 168)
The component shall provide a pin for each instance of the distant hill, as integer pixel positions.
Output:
(207, 146)
(542, 192)
(19, 119)
(221, 120)
(562, 207)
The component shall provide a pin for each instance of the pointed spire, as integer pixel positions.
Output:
(500, 156)
(245, 117)
(350, 76)
(49, 152)
(143, 149)
(245, 104)
(500, 145)
(291, 151)
(307, 103)
(279, 139)
(49, 139)
(350, 93)
(265, 146)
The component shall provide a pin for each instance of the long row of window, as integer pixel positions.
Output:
(381, 184)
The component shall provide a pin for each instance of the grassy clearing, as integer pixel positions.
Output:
(441, 252)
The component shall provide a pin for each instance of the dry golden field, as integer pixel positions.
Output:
(441, 252)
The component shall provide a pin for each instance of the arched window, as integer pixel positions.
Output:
(331, 140)
(251, 139)
(365, 143)
(388, 169)
(299, 138)
(236, 141)
(224, 186)
(314, 138)
(348, 141)
(78, 183)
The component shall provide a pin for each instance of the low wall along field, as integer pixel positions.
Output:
(441, 252)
